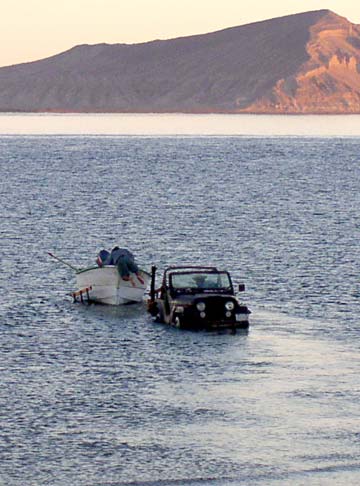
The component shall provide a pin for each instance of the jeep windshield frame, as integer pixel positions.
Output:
(196, 281)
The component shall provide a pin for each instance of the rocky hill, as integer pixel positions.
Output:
(304, 63)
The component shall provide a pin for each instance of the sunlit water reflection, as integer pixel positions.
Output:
(103, 396)
(180, 124)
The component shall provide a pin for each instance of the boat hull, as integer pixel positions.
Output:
(107, 287)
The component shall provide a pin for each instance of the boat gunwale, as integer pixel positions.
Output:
(87, 269)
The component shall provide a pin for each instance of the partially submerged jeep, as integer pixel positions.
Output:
(198, 298)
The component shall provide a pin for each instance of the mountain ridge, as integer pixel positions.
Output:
(301, 63)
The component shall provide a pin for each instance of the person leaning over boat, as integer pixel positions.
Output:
(125, 262)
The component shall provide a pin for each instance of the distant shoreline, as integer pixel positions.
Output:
(301, 64)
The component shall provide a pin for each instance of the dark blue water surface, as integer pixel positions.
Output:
(94, 395)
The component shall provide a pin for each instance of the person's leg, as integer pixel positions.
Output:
(133, 268)
(124, 269)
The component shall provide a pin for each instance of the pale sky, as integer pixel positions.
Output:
(35, 29)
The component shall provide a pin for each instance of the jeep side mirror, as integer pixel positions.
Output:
(241, 287)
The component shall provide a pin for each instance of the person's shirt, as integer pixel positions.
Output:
(117, 254)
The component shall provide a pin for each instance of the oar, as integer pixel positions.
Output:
(63, 261)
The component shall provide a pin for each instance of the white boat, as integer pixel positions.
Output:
(105, 286)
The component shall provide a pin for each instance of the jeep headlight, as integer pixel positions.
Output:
(201, 306)
(179, 309)
(229, 305)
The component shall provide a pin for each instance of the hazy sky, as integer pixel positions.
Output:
(34, 29)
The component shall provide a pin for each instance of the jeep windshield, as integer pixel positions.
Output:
(201, 281)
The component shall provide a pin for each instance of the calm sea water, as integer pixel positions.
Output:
(93, 395)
